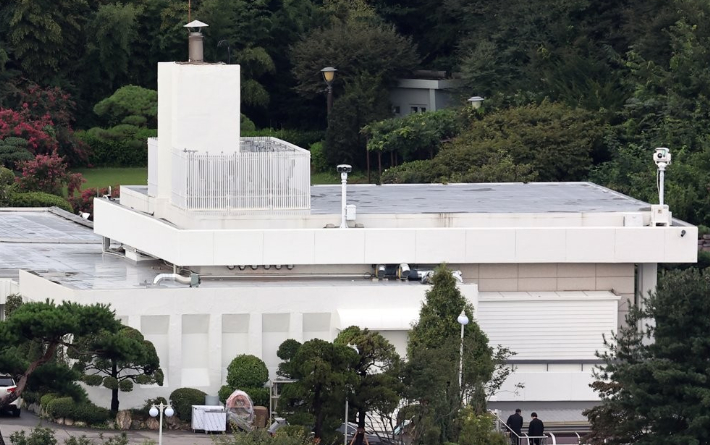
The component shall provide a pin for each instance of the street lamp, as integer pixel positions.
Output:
(159, 409)
(476, 102)
(463, 321)
(328, 75)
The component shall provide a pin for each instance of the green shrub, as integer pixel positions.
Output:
(90, 413)
(259, 396)
(47, 398)
(124, 145)
(38, 199)
(224, 393)
(7, 177)
(182, 400)
(414, 172)
(262, 437)
(38, 436)
(30, 397)
(247, 371)
(318, 162)
(61, 407)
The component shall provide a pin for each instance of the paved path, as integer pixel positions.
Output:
(28, 421)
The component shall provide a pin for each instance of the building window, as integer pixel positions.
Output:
(395, 109)
(414, 109)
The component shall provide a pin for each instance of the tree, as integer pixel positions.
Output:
(48, 174)
(377, 386)
(322, 371)
(117, 360)
(249, 374)
(656, 391)
(127, 101)
(431, 374)
(51, 326)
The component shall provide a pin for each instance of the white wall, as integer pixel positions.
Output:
(372, 245)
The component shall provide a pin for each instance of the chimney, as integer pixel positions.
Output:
(195, 47)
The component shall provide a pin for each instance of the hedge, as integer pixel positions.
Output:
(182, 400)
(38, 199)
(60, 407)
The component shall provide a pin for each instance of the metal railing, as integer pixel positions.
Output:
(523, 438)
(265, 174)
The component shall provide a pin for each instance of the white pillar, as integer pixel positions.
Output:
(646, 280)
(256, 334)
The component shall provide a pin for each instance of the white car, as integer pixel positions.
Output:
(7, 386)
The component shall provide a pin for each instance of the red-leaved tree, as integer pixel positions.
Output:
(49, 174)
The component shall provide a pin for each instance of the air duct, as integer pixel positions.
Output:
(195, 45)
(193, 280)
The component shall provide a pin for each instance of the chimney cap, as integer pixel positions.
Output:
(196, 24)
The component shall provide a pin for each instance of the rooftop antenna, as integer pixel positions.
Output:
(660, 216)
(344, 169)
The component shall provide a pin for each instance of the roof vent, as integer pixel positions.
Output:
(195, 47)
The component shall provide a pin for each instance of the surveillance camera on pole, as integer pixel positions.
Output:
(660, 215)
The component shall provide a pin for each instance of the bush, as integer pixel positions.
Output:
(47, 398)
(38, 436)
(38, 199)
(259, 396)
(30, 397)
(414, 172)
(247, 371)
(124, 145)
(90, 413)
(182, 400)
(60, 407)
(318, 161)
(262, 437)
(224, 393)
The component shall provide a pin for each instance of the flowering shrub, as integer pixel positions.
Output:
(84, 202)
(49, 174)
(38, 132)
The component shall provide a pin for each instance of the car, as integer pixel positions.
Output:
(7, 386)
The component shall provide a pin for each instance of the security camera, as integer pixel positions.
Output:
(662, 155)
(345, 168)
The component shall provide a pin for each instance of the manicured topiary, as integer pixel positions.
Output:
(61, 407)
(182, 400)
(247, 371)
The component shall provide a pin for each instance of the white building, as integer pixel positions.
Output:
(549, 267)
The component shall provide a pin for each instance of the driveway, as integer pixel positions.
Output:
(28, 421)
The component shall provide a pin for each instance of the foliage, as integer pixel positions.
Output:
(48, 174)
(247, 371)
(477, 428)
(124, 145)
(37, 131)
(415, 136)
(433, 351)
(377, 385)
(117, 360)
(655, 392)
(318, 162)
(364, 100)
(356, 48)
(262, 437)
(84, 203)
(182, 400)
(12, 302)
(37, 436)
(129, 100)
(60, 407)
(13, 150)
(37, 199)
(322, 371)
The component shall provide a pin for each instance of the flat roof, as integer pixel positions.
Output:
(63, 247)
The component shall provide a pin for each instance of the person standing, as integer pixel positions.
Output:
(536, 428)
(515, 423)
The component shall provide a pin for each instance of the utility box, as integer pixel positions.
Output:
(209, 418)
(350, 212)
(660, 215)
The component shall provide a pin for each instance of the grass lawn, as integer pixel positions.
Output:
(104, 177)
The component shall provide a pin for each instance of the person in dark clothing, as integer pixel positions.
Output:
(515, 423)
(536, 428)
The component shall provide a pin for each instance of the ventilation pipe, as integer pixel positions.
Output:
(193, 280)
(195, 45)
(344, 169)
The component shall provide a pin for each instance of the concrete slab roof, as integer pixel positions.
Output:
(539, 197)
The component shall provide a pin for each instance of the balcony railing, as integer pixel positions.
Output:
(265, 175)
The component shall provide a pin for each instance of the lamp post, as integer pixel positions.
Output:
(476, 102)
(463, 321)
(229, 50)
(328, 75)
(159, 409)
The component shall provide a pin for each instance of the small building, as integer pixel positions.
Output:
(426, 91)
